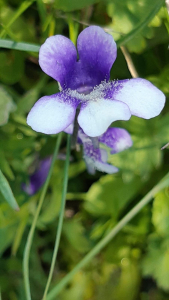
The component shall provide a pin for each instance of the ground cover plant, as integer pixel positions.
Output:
(84, 122)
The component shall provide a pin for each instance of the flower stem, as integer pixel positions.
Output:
(61, 216)
(33, 226)
(75, 130)
(128, 217)
(129, 62)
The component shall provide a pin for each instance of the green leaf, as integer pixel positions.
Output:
(26, 102)
(74, 231)
(19, 234)
(156, 261)
(4, 165)
(7, 236)
(11, 66)
(7, 192)
(145, 154)
(6, 106)
(110, 195)
(123, 283)
(160, 79)
(131, 18)
(160, 213)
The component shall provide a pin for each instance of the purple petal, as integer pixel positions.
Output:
(96, 159)
(142, 97)
(82, 78)
(97, 51)
(57, 57)
(52, 114)
(117, 139)
(38, 178)
(96, 116)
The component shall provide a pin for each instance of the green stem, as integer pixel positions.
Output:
(33, 226)
(132, 213)
(61, 216)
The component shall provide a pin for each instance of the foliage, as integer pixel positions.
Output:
(135, 264)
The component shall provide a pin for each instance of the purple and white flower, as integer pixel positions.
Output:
(85, 85)
(117, 139)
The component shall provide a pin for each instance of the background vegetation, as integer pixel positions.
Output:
(135, 264)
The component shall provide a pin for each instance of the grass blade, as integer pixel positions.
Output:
(7, 192)
(61, 216)
(19, 46)
(33, 226)
(19, 11)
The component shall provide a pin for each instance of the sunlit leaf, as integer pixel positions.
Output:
(74, 232)
(110, 195)
(156, 261)
(160, 213)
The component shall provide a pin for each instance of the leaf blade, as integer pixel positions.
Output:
(7, 192)
(19, 46)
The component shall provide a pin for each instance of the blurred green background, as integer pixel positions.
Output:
(135, 265)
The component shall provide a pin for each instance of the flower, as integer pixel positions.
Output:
(117, 139)
(85, 85)
(38, 178)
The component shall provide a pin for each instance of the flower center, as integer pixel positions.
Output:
(85, 89)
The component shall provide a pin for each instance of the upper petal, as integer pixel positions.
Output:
(96, 116)
(52, 114)
(141, 96)
(97, 50)
(117, 139)
(57, 57)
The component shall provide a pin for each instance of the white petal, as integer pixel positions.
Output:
(105, 167)
(96, 116)
(141, 96)
(50, 114)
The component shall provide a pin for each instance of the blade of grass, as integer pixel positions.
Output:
(19, 46)
(42, 11)
(9, 32)
(141, 25)
(33, 226)
(19, 11)
(7, 192)
(61, 216)
(128, 217)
